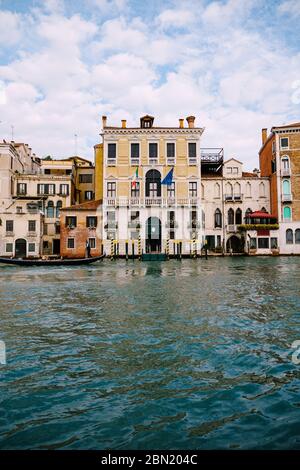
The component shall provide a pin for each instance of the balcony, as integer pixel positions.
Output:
(134, 161)
(192, 161)
(111, 226)
(153, 161)
(231, 228)
(233, 197)
(286, 172)
(171, 161)
(194, 224)
(171, 224)
(134, 224)
(150, 202)
(287, 198)
(111, 162)
(31, 234)
(9, 233)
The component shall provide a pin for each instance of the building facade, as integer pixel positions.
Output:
(280, 162)
(136, 205)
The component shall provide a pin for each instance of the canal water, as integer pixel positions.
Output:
(157, 355)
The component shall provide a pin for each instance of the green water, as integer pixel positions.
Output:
(153, 355)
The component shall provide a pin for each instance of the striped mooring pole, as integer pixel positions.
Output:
(139, 248)
(194, 247)
(112, 249)
(168, 248)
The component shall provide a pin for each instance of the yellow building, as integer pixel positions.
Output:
(131, 165)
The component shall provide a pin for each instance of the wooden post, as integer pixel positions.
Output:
(194, 247)
(168, 248)
(180, 250)
(112, 249)
(132, 251)
(126, 250)
(139, 248)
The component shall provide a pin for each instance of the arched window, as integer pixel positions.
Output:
(153, 183)
(218, 218)
(237, 189)
(229, 190)
(286, 186)
(262, 189)
(58, 207)
(238, 216)
(50, 209)
(247, 215)
(230, 215)
(285, 162)
(263, 209)
(248, 189)
(217, 190)
(289, 238)
(287, 213)
(297, 236)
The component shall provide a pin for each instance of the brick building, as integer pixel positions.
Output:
(80, 224)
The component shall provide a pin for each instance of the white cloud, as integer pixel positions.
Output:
(176, 18)
(10, 28)
(290, 7)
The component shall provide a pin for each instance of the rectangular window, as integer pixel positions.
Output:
(92, 242)
(57, 229)
(171, 219)
(135, 153)
(9, 225)
(274, 243)
(19, 210)
(111, 153)
(31, 247)
(284, 142)
(46, 189)
(153, 152)
(9, 247)
(170, 152)
(111, 220)
(171, 190)
(134, 216)
(235, 170)
(71, 243)
(51, 188)
(86, 178)
(91, 222)
(229, 170)
(88, 195)
(64, 189)
(47, 171)
(71, 221)
(21, 189)
(193, 219)
(193, 189)
(111, 189)
(135, 192)
(263, 243)
(134, 235)
(31, 225)
(253, 243)
(192, 153)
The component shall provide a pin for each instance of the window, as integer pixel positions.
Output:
(229, 170)
(46, 189)
(153, 189)
(218, 218)
(88, 195)
(92, 243)
(261, 190)
(247, 216)
(284, 142)
(57, 229)
(31, 247)
(171, 190)
(193, 189)
(289, 237)
(134, 219)
(203, 219)
(253, 243)
(171, 219)
(21, 189)
(135, 153)
(111, 153)
(287, 213)
(68, 172)
(9, 247)
(71, 243)
(217, 191)
(153, 183)
(19, 210)
(192, 149)
(50, 209)
(64, 189)
(235, 170)
(9, 225)
(297, 236)
(111, 189)
(170, 152)
(135, 192)
(274, 243)
(238, 216)
(153, 152)
(71, 221)
(230, 216)
(31, 225)
(285, 163)
(273, 166)
(193, 219)
(286, 186)
(263, 243)
(111, 220)
(237, 191)
(47, 171)
(91, 222)
(248, 189)
(228, 192)
(86, 178)
(58, 207)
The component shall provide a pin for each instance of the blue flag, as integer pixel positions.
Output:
(168, 179)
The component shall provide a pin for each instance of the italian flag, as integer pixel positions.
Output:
(135, 178)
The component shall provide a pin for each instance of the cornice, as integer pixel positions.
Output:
(152, 132)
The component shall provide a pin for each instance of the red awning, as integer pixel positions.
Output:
(261, 215)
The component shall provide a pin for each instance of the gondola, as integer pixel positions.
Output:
(50, 262)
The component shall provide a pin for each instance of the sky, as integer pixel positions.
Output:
(233, 64)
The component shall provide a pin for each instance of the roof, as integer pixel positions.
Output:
(247, 174)
(286, 126)
(261, 215)
(230, 159)
(85, 206)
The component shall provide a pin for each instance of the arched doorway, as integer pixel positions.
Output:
(153, 235)
(153, 184)
(20, 248)
(235, 244)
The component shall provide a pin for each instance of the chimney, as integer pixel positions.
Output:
(104, 119)
(191, 121)
(264, 135)
(124, 123)
(181, 123)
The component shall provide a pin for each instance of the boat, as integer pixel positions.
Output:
(50, 262)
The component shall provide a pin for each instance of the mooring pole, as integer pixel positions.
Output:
(126, 250)
(132, 250)
(168, 248)
(139, 248)
(112, 249)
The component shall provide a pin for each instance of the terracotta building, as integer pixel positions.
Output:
(80, 225)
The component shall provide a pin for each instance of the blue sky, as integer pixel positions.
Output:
(234, 64)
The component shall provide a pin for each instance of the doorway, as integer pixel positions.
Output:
(153, 235)
(20, 248)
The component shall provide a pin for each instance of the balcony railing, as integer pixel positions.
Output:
(150, 202)
(9, 233)
(231, 228)
(212, 155)
(31, 234)
(233, 197)
(287, 198)
(194, 224)
(171, 224)
(286, 172)
(134, 224)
